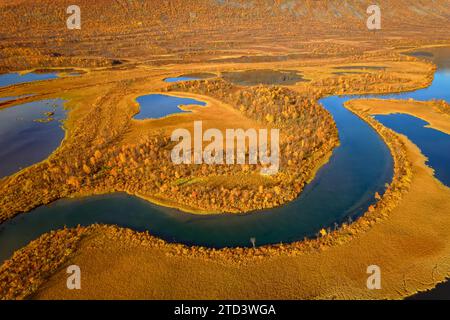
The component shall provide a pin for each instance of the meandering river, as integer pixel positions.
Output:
(342, 190)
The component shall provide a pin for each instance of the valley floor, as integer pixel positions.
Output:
(417, 234)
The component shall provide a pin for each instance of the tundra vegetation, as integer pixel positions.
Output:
(145, 167)
(134, 46)
(24, 273)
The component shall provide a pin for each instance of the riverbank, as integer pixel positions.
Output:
(428, 111)
(165, 202)
(233, 260)
(410, 261)
(133, 156)
(383, 237)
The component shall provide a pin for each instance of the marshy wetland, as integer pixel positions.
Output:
(363, 180)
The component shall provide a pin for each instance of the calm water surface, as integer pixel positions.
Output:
(180, 79)
(342, 189)
(9, 79)
(26, 135)
(154, 106)
(434, 144)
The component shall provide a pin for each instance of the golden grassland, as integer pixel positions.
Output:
(106, 150)
(310, 137)
(236, 259)
(159, 33)
(129, 53)
(101, 104)
(412, 261)
(100, 128)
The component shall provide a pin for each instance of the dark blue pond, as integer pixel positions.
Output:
(154, 106)
(26, 134)
(9, 79)
(433, 143)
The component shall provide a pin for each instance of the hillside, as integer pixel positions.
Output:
(162, 32)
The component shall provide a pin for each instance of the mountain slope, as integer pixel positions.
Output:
(194, 29)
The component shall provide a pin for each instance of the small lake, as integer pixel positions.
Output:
(29, 133)
(180, 79)
(190, 77)
(10, 79)
(155, 106)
